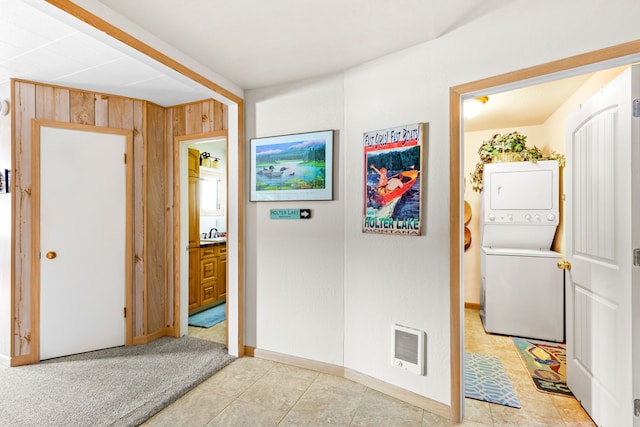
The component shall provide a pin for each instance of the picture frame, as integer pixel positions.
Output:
(393, 180)
(292, 167)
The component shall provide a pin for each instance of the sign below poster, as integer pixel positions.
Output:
(290, 213)
(392, 178)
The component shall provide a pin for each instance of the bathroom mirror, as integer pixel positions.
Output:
(212, 192)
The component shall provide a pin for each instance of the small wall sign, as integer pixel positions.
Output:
(290, 213)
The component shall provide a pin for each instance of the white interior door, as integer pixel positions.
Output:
(599, 191)
(82, 241)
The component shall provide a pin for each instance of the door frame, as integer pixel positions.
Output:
(180, 235)
(623, 54)
(36, 125)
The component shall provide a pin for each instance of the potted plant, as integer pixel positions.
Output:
(508, 147)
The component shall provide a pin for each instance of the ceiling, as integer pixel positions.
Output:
(279, 41)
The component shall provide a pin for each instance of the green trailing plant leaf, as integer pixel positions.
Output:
(513, 142)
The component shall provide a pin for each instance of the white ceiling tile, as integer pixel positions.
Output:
(81, 49)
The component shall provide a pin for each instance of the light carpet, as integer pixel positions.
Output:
(122, 386)
(485, 379)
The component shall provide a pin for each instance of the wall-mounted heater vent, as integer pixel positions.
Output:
(408, 349)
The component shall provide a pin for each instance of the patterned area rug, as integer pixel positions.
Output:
(546, 363)
(485, 379)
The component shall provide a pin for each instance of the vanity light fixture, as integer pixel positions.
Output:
(213, 160)
(472, 107)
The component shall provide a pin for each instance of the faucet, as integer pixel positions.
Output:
(213, 235)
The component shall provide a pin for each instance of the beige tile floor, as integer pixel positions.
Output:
(256, 392)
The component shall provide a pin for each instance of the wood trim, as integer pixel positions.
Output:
(21, 360)
(36, 124)
(145, 339)
(472, 305)
(129, 303)
(399, 393)
(14, 189)
(34, 354)
(240, 219)
(300, 362)
(249, 351)
(118, 34)
(456, 345)
(177, 143)
(455, 202)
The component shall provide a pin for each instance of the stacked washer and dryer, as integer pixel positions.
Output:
(522, 288)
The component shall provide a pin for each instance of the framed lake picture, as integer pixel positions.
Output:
(292, 167)
(393, 180)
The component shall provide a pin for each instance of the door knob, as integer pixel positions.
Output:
(51, 255)
(563, 264)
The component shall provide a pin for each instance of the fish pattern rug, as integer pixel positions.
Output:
(485, 379)
(546, 363)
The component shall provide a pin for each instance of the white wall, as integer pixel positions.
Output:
(296, 296)
(295, 268)
(5, 234)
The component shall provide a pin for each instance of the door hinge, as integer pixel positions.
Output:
(636, 407)
(636, 257)
(125, 311)
(636, 107)
(125, 158)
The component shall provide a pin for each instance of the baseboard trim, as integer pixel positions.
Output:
(473, 305)
(146, 339)
(339, 371)
(300, 362)
(399, 393)
(22, 360)
(5, 361)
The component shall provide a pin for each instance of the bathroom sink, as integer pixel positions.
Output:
(213, 241)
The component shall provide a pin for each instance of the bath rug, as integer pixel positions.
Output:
(209, 317)
(485, 379)
(546, 363)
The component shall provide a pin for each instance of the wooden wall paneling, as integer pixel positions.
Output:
(101, 107)
(121, 112)
(178, 120)
(81, 107)
(24, 110)
(52, 103)
(170, 245)
(139, 211)
(155, 231)
(33, 100)
(207, 116)
(193, 118)
(225, 117)
(219, 115)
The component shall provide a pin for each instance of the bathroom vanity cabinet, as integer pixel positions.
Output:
(209, 288)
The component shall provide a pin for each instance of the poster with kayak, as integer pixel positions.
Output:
(392, 178)
(292, 167)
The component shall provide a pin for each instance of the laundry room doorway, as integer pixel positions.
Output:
(598, 61)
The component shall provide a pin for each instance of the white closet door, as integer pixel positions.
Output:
(82, 241)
